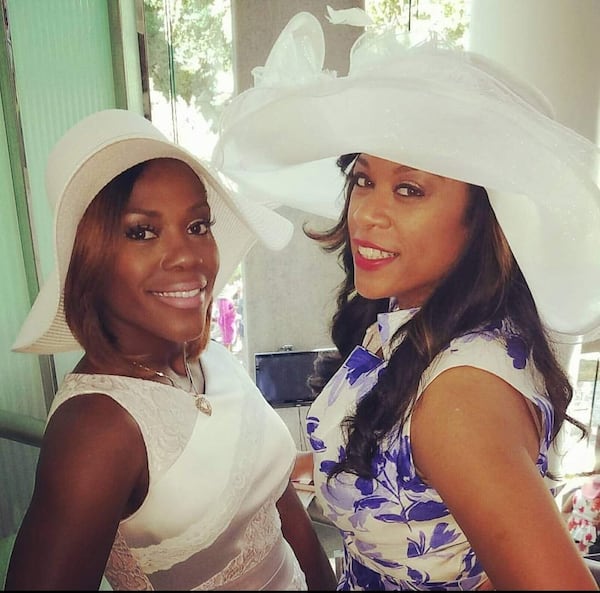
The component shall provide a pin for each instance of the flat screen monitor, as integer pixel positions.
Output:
(282, 376)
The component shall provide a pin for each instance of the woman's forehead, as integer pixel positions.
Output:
(366, 160)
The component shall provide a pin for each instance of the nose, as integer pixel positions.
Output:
(371, 209)
(181, 251)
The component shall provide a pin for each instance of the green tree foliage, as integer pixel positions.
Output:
(187, 51)
(449, 18)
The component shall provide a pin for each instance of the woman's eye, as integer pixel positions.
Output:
(200, 227)
(408, 190)
(361, 180)
(140, 232)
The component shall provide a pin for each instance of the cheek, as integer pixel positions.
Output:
(440, 240)
(453, 239)
(351, 213)
(215, 255)
(211, 258)
(127, 269)
(126, 273)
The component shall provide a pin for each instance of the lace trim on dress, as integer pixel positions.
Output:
(298, 580)
(199, 536)
(123, 571)
(260, 536)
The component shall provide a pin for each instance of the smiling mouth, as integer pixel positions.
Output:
(179, 294)
(372, 253)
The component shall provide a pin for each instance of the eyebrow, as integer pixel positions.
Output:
(156, 214)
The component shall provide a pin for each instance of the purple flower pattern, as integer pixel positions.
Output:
(397, 531)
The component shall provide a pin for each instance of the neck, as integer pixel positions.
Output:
(194, 386)
(192, 380)
(175, 369)
(166, 359)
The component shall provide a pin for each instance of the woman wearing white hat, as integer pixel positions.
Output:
(469, 229)
(158, 446)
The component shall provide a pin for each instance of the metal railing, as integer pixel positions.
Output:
(21, 428)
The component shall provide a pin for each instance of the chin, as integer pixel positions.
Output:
(370, 292)
(187, 336)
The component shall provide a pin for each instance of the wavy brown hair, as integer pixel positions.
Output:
(92, 260)
(485, 286)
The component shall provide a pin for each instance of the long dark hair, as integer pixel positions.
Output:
(92, 259)
(485, 286)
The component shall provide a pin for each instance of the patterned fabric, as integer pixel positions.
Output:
(397, 531)
(209, 519)
(583, 520)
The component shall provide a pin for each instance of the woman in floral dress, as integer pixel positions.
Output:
(461, 241)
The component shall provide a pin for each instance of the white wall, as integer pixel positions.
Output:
(555, 44)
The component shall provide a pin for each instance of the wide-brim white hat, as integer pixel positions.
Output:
(435, 108)
(83, 161)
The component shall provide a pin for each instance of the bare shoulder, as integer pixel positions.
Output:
(471, 396)
(87, 437)
(474, 440)
(92, 417)
(466, 410)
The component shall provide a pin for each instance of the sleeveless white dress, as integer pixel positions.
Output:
(209, 519)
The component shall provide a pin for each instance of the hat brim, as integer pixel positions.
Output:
(239, 222)
(451, 113)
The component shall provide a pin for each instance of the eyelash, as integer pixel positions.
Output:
(413, 191)
(138, 232)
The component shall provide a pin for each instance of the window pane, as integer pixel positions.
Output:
(449, 18)
(189, 68)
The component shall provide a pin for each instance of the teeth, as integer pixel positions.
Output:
(371, 253)
(180, 294)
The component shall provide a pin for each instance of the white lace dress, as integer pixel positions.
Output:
(209, 519)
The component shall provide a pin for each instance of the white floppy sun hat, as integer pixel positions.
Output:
(84, 160)
(436, 108)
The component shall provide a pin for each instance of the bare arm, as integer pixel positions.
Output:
(299, 532)
(91, 465)
(474, 440)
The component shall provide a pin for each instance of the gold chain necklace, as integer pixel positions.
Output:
(200, 399)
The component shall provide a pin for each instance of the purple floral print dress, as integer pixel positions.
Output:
(397, 531)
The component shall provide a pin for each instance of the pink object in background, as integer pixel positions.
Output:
(226, 320)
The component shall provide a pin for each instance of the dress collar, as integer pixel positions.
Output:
(378, 337)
